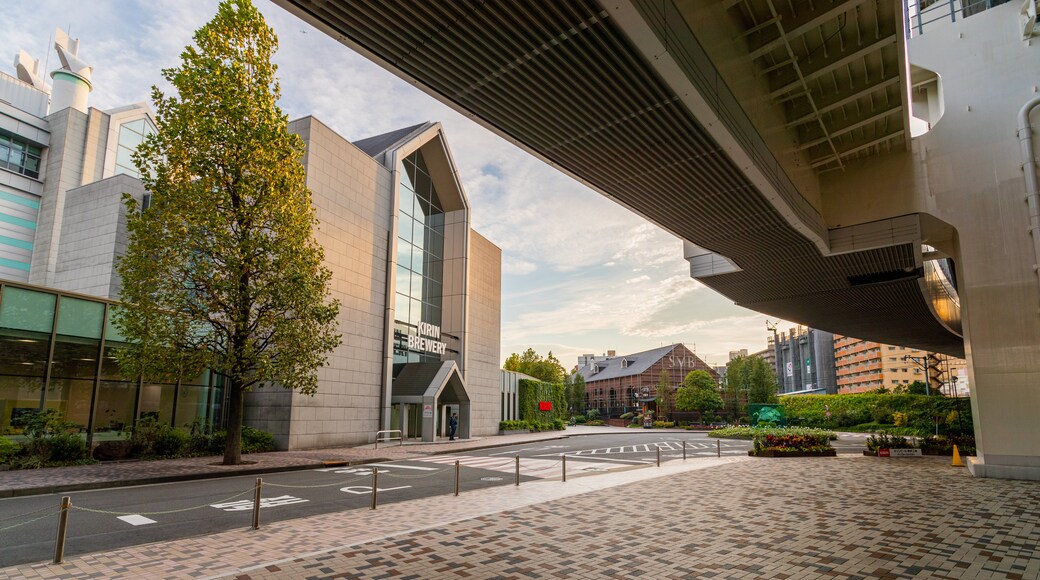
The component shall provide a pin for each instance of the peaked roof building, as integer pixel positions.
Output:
(615, 384)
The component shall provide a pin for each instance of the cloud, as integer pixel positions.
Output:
(580, 273)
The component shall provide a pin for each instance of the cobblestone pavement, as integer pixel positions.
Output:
(844, 517)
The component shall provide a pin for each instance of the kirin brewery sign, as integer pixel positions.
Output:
(428, 339)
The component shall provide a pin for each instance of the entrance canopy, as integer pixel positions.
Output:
(433, 384)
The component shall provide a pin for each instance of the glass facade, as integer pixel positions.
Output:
(420, 254)
(18, 156)
(131, 134)
(59, 352)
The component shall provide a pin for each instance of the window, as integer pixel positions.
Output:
(891, 348)
(18, 156)
(131, 134)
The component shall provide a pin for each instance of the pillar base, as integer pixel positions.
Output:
(979, 468)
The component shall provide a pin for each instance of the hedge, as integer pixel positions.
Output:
(531, 392)
(851, 410)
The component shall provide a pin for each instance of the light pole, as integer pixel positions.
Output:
(923, 363)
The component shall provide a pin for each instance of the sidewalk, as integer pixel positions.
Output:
(120, 474)
(729, 518)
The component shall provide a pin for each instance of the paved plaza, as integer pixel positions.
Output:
(844, 517)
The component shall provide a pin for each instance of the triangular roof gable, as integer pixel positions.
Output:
(430, 141)
(637, 364)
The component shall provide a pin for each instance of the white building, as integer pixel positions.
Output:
(419, 290)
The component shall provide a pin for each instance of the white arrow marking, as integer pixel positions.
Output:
(136, 520)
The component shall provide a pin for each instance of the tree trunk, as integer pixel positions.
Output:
(236, 400)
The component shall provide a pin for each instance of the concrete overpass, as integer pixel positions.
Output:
(777, 138)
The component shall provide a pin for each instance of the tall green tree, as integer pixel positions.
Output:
(699, 393)
(531, 363)
(665, 395)
(222, 270)
(749, 379)
(576, 392)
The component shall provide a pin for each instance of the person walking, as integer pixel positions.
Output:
(453, 426)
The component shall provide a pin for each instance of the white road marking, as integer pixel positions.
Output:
(266, 502)
(136, 520)
(365, 490)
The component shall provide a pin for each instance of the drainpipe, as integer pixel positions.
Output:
(1025, 139)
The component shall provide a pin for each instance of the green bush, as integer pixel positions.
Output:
(170, 443)
(512, 425)
(747, 432)
(592, 414)
(663, 424)
(578, 419)
(627, 415)
(884, 440)
(849, 410)
(256, 441)
(558, 425)
(8, 450)
(66, 447)
(596, 422)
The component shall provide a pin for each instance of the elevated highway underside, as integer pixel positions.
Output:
(583, 86)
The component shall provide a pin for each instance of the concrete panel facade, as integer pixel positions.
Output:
(484, 326)
(352, 199)
(967, 172)
(94, 236)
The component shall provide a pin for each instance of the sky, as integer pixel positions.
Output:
(580, 274)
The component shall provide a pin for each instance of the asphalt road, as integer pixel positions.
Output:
(113, 518)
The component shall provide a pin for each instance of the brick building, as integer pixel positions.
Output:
(618, 384)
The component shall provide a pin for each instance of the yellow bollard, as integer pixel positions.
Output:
(956, 458)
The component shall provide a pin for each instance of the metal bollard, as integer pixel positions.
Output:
(456, 477)
(63, 526)
(565, 468)
(659, 457)
(718, 448)
(684, 450)
(518, 470)
(375, 485)
(256, 503)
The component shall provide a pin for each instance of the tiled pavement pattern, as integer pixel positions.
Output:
(787, 518)
(844, 517)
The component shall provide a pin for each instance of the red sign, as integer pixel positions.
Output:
(545, 405)
(884, 453)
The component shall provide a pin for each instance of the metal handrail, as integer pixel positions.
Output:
(920, 13)
(400, 436)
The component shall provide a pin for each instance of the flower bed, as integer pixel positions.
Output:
(792, 444)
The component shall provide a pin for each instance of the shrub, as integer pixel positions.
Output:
(899, 419)
(8, 450)
(559, 425)
(578, 419)
(66, 447)
(512, 425)
(145, 433)
(627, 415)
(170, 443)
(592, 414)
(663, 424)
(596, 422)
(882, 414)
(794, 442)
(256, 441)
(884, 440)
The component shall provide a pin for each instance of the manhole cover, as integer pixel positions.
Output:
(490, 479)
